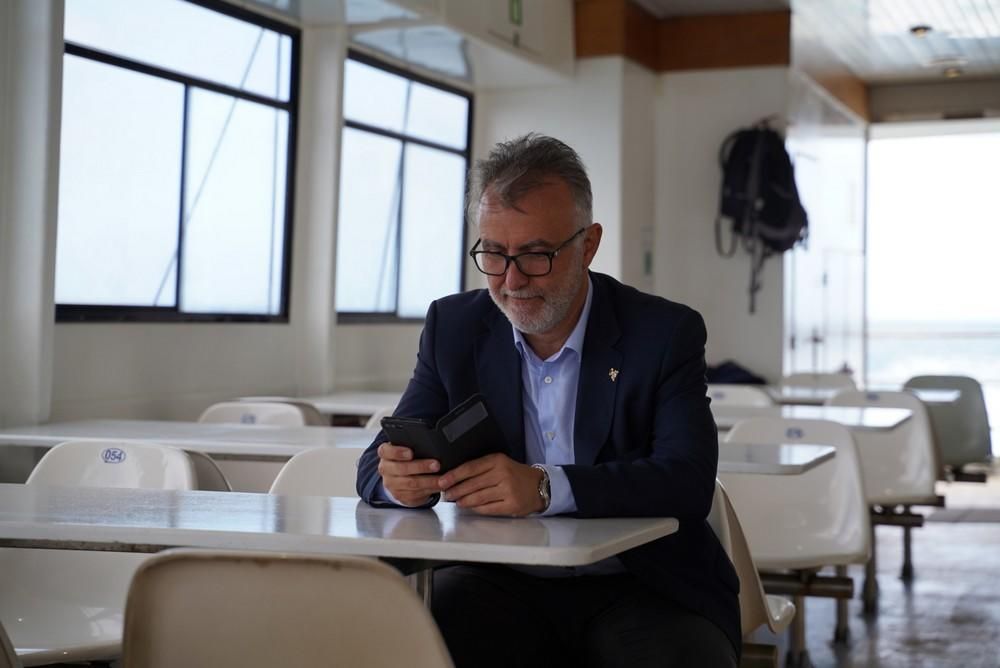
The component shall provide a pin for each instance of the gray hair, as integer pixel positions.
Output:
(516, 167)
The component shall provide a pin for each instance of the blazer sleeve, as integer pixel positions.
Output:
(675, 476)
(425, 397)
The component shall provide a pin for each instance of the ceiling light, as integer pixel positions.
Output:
(952, 72)
(921, 30)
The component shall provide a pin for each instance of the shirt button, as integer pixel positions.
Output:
(548, 380)
(551, 435)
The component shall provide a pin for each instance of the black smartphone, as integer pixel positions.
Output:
(467, 432)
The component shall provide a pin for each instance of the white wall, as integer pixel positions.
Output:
(694, 112)
(30, 102)
(638, 179)
(586, 113)
(172, 371)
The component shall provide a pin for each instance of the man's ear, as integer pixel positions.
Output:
(591, 242)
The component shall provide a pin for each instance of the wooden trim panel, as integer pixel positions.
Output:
(725, 41)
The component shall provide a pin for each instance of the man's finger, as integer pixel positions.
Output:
(468, 470)
(494, 508)
(398, 453)
(389, 467)
(411, 484)
(482, 497)
(471, 486)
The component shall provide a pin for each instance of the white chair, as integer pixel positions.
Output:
(208, 475)
(8, 659)
(322, 471)
(739, 395)
(899, 467)
(375, 421)
(275, 413)
(808, 521)
(962, 428)
(249, 609)
(67, 605)
(834, 381)
(311, 414)
(756, 608)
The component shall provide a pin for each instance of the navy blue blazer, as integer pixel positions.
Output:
(646, 443)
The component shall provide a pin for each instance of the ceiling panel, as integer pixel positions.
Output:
(873, 39)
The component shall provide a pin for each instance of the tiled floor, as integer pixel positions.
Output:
(949, 616)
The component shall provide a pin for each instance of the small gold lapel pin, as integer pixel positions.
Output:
(613, 374)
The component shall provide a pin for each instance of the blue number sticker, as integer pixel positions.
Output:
(113, 456)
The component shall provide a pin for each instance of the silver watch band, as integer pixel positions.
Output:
(544, 486)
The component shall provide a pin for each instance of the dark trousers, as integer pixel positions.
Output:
(495, 616)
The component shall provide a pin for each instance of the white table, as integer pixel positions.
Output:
(874, 418)
(772, 458)
(353, 403)
(135, 520)
(221, 441)
(817, 396)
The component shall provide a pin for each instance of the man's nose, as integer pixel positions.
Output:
(514, 279)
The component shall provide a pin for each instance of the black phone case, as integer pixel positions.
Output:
(467, 432)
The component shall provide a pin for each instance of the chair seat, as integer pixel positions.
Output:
(781, 611)
(65, 603)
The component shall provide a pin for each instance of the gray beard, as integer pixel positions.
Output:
(555, 306)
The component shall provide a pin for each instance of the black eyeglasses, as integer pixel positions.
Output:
(534, 263)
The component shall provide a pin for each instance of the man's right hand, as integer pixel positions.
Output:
(411, 482)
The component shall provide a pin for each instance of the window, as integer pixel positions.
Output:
(176, 162)
(404, 157)
(932, 268)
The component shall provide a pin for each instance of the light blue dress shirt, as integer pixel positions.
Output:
(549, 403)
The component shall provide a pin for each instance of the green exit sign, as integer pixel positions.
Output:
(515, 12)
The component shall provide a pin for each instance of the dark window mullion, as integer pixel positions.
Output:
(392, 134)
(399, 226)
(185, 124)
(74, 49)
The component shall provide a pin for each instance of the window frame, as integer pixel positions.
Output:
(142, 313)
(378, 317)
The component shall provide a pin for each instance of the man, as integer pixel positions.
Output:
(600, 392)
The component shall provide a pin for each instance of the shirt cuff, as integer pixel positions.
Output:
(561, 493)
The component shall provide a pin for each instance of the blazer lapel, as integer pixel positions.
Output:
(498, 372)
(600, 367)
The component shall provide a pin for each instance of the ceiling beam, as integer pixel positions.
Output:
(621, 27)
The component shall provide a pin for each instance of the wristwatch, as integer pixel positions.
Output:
(544, 487)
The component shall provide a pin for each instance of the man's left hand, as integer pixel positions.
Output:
(494, 485)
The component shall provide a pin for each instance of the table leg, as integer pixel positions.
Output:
(423, 583)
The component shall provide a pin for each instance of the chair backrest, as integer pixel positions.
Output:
(115, 464)
(899, 466)
(8, 658)
(962, 428)
(247, 609)
(754, 609)
(817, 518)
(311, 414)
(375, 421)
(739, 395)
(820, 380)
(322, 471)
(208, 474)
(274, 413)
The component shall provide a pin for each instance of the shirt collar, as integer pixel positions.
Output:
(575, 340)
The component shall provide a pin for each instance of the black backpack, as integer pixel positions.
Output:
(759, 198)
